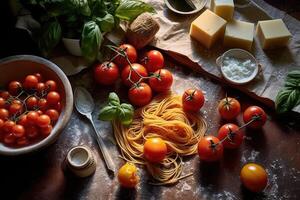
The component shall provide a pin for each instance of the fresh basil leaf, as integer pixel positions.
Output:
(130, 9)
(82, 6)
(286, 100)
(108, 113)
(51, 35)
(106, 23)
(125, 113)
(295, 74)
(113, 99)
(91, 39)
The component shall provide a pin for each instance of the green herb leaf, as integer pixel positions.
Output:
(108, 113)
(82, 6)
(130, 9)
(113, 99)
(51, 35)
(125, 113)
(106, 23)
(91, 39)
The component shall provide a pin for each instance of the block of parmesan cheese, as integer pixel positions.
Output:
(239, 34)
(223, 8)
(272, 33)
(208, 28)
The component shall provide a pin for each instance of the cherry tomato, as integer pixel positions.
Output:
(192, 100)
(57, 107)
(42, 104)
(40, 88)
(229, 108)
(23, 120)
(155, 149)
(161, 80)
(32, 131)
(2, 102)
(18, 130)
(38, 76)
(53, 114)
(210, 149)
(127, 175)
(9, 138)
(15, 108)
(32, 117)
(22, 141)
(4, 114)
(30, 82)
(254, 177)
(51, 85)
(257, 114)
(131, 53)
(14, 87)
(43, 121)
(234, 136)
(8, 126)
(153, 61)
(45, 131)
(32, 102)
(138, 71)
(106, 73)
(140, 95)
(53, 98)
(4, 94)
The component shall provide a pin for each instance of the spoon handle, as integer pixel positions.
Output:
(106, 155)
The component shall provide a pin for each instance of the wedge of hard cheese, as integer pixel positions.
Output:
(223, 8)
(272, 33)
(208, 28)
(239, 34)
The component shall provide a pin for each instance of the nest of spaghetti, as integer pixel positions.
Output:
(165, 118)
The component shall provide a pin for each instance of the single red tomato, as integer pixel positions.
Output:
(14, 87)
(32, 102)
(257, 114)
(5, 94)
(51, 85)
(229, 108)
(43, 121)
(40, 88)
(140, 95)
(32, 131)
(161, 80)
(38, 76)
(18, 130)
(43, 104)
(106, 73)
(15, 109)
(138, 71)
(254, 177)
(53, 114)
(130, 51)
(192, 100)
(45, 131)
(57, 106)
(2, 102)
(234, 136)
(210, 149)
(53, 98)
(4, 114)
(32, 117)
(9, 139)
(30, 82)
(8, 126)
(23, 120)
(153, 61)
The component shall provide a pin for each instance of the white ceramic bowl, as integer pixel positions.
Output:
(199, 4)
(243, 55)
(16, 68)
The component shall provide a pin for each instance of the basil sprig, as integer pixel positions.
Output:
(115, 110)
(289, 96)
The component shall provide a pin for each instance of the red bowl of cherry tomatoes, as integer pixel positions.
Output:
(36, 103)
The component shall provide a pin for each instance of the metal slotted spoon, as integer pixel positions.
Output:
(84, 104)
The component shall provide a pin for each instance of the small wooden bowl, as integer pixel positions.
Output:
(16, 68)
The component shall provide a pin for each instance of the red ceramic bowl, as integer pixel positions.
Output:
(16, 68)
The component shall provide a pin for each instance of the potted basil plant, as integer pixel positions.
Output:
(81, 23)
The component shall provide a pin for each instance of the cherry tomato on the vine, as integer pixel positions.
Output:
(234, 136)
(45, 131)
(51, 85)
(140, 94)
(40, 88)
(229, 108)
(192, 100)
(138, 71)
(8, 126)
(43, 104)
(31, 102)
(53, 114)
(153, 61)
(155, 149)
(32, 117)
(30, 82)
(43, 120)
(4, 94)
(257, 114)
(161, 80)
(23, 120)
(9, 138)
(53, 98)
(131, 53)
(14, 87)
(210, 149)
(4, 114)
(18, 130)
(106, 73)
(32, 131)
(254, 177)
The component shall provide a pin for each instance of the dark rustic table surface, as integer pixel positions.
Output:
(42, 175)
